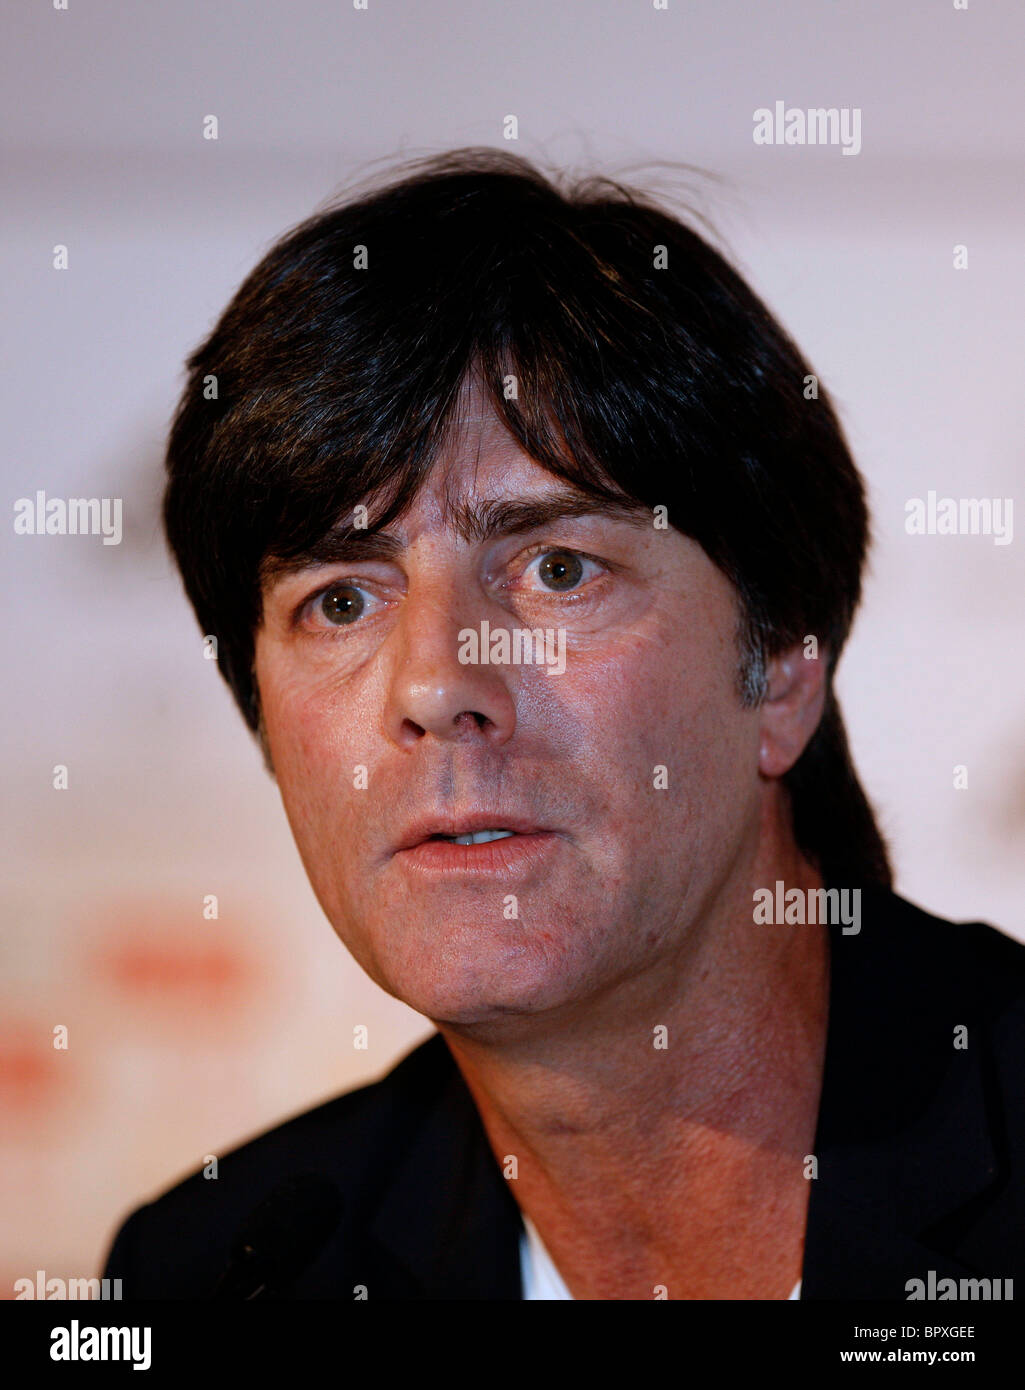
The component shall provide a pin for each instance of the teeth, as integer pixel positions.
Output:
(479, 837)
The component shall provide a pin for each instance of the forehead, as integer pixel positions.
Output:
(483, 482)
(478, 444)
(478, 459)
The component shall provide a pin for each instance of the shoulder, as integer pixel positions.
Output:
(968, 960)
(917, 1003)
(922, 1118)
(173, 1245)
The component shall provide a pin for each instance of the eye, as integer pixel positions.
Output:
(561, 571)
(340, 605)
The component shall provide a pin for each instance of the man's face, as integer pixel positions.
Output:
(631, 776)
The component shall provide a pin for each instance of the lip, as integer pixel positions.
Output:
(466, 824)
(515, 854)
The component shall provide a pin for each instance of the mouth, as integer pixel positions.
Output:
(476, 837)
(478, 845)
(468, 828)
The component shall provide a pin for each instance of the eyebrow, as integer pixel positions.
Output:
(475, 522)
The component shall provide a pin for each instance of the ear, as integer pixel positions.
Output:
(792, 708)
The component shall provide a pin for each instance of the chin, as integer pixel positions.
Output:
(480, 992)
(450, 968)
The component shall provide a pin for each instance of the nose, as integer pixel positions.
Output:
(430, 690)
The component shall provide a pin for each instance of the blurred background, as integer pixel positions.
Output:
(187, 1034)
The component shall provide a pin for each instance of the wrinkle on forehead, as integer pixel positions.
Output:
(475, 429)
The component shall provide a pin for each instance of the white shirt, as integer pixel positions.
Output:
(541, 1280)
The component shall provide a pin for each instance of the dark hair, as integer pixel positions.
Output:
(645, 368)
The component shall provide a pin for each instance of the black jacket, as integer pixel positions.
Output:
(920, 1147)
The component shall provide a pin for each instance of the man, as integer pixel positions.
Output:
(531, 545)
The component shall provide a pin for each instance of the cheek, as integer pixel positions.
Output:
(676, 728)
(313, 749)
(301, 713)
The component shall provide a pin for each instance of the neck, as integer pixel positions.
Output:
(660, 1137)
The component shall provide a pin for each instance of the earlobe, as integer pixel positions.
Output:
(790, 713)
